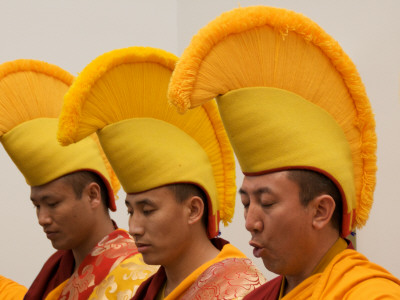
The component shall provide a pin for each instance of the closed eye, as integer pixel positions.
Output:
(52, 205)
(267, 205)
(147, 212)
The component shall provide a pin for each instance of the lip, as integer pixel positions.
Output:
(143, 248)
(258, 249)
(51, 234)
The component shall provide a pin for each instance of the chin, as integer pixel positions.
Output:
(270, 267)
(60, 246)
(150, 260)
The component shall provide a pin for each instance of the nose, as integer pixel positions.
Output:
(253, 219)
(135, 226)
(43, 216)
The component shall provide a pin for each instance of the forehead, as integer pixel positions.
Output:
(158, 195)
(276, 182)
(57, 187)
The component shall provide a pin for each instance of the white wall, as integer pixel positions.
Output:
(71, 35)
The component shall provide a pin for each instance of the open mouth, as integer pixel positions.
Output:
(258, 249)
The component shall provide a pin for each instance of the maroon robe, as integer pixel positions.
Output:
(58, 268)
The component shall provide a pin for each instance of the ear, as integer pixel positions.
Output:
(324, 206)
(196, 209)
(93, 192)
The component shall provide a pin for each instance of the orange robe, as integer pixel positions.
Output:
(113, 269)
(348, 275)
(10, 290)
(230, 275)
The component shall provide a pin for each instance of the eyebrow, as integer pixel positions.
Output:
(242, 192)
(140, 202)
(40, 198)
(262, 190)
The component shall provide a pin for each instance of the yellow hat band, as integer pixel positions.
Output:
(147, 153)
(272, 129)
(33, 147)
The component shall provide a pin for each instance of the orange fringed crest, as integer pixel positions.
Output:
(36, 82)
(232, 52)
(74, 100)
(115, 87)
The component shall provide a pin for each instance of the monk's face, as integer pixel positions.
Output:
(158, 223)
(65, 218)
(279, 224)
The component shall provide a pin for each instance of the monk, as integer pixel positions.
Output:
(302, 128)
(177, 171)
(72, 189)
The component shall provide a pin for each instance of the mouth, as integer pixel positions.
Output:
(143, 248)
(51, 234)
(258, 249)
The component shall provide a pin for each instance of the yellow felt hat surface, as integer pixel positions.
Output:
(282, 51)
(31, 94)
(121, 95)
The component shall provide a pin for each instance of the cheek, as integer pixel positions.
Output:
(73, 216)
(171, 226)
(277, 223)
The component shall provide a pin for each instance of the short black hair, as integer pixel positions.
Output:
(184, 191)
(313, 184)
(80, 179)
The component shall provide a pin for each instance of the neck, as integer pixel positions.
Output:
(101, 229)
(320, 249)
(199, 251)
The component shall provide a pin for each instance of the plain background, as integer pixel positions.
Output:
(72, 33)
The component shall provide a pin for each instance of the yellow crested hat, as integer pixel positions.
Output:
(31, 97)
(289, 98)
(122, 95)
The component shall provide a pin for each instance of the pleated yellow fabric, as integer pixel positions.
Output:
(263, 46)
(349, 275)
(122, 95)
(11, 290)
(31, 97)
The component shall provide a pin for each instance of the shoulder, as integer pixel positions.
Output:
(124, 279)
(353, 273)
(232, 277)
(10, 289)
(375, 288)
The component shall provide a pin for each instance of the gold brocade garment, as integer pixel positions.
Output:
(232, 278)
(113, 270)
